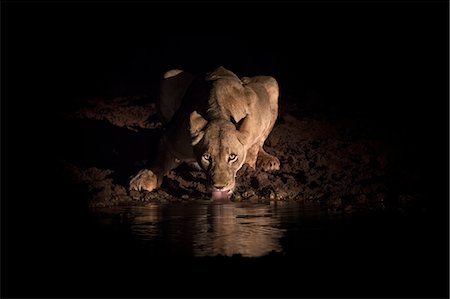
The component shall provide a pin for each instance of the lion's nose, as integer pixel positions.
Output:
(219, 186)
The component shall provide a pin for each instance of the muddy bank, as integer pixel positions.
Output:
(322, 159)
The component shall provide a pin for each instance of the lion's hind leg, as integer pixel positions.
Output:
(173, 86)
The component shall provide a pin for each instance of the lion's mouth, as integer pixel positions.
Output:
(221, 194)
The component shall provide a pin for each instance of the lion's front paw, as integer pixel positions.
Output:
(144, 180)
(268, 162)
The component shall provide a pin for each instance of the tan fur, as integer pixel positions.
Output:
(171, 73)
(222, 124)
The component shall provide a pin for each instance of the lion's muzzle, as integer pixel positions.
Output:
(222, 185)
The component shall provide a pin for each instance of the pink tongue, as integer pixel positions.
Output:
(219, 195)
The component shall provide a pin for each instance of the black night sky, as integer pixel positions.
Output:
(384, 65)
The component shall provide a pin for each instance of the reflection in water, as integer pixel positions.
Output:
(230, 229)
(209, 229)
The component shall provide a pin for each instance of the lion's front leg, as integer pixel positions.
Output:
(150, 179)
(252, 155)
(267, 161)
(144, 180)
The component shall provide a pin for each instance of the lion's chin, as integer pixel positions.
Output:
(221, 195)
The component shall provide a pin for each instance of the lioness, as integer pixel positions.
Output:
(219, 121)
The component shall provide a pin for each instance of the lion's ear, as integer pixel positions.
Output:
(197, 124)
(237, 123)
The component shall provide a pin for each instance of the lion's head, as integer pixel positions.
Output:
(220, 150)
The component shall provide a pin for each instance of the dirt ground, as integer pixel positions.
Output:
(326, 161)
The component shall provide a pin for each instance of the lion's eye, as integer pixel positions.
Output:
(232, 157)
(206, 157)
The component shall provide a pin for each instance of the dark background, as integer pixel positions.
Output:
(382, 65)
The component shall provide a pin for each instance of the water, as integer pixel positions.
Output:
(211, 229)
(284, 249)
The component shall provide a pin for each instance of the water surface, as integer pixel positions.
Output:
(205, 228)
